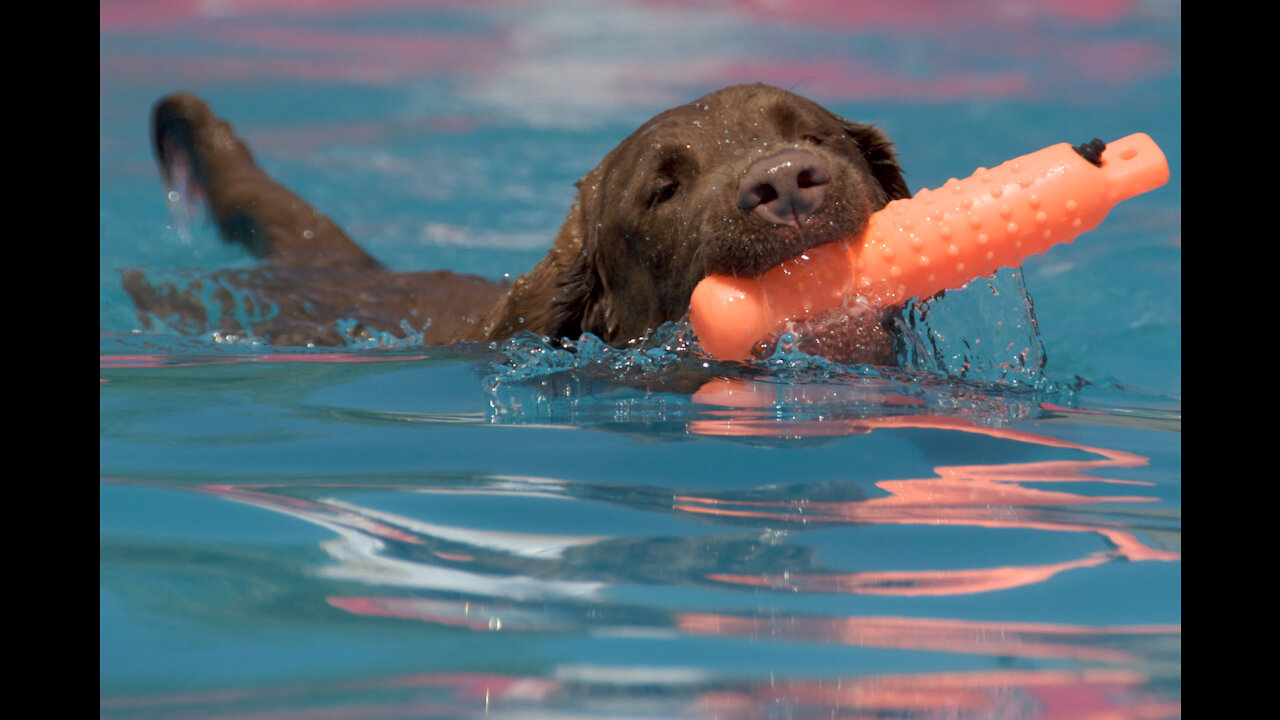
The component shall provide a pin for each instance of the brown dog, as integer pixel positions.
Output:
(734, 182)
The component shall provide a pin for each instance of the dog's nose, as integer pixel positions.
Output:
(784, 189)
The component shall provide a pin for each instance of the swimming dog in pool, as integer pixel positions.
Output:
(734, 182)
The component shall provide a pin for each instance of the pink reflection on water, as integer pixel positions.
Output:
(1115, 694)
(996, 638)
(847, 78)
(998, 495)
(987, 49)
(1041, 694)
(1012, 639)
(938, 15)
(160, 360)
(120, 15)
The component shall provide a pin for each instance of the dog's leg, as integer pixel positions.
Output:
(198, 152)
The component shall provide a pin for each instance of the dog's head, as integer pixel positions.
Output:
(734, 182)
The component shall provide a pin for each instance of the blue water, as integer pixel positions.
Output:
(399, 531)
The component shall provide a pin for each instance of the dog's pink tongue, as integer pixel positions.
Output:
(938, 240)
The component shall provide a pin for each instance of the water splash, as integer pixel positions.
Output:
(528, 356)
(586, 382)
(357, 336)
(975, 352)
(233, 314)
(666, 381)
(986, 333)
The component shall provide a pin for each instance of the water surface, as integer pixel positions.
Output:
(390, 530)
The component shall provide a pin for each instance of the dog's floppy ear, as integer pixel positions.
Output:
(564, 295)
(879, 154)
(580, 303)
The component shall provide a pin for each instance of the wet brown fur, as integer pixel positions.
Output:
(652, 219)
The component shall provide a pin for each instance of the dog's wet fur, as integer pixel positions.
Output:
(734, 182)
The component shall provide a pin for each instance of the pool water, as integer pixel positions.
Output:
(519, 530)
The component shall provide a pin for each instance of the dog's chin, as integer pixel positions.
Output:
(854, 334)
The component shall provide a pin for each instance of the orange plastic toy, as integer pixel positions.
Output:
(938, 240)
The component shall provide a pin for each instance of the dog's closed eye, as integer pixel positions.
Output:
(674, 168)
(663, 190)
